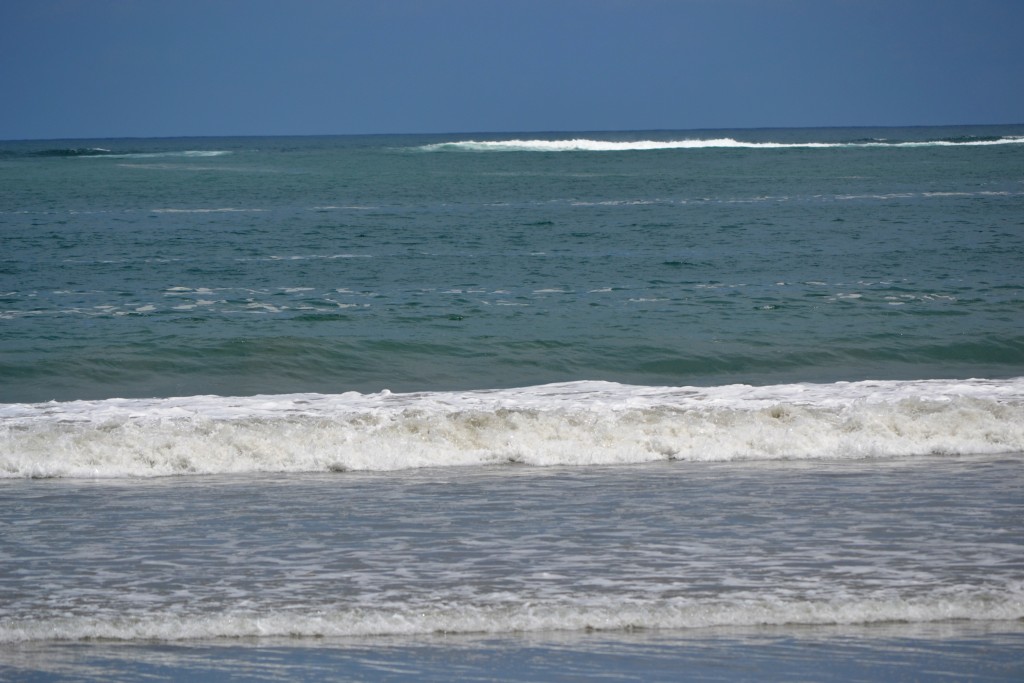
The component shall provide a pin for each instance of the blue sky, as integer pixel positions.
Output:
(120, 68)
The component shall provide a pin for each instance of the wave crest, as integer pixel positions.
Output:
(574, 424)
(593, 614)
(594, 145)
(91, 152)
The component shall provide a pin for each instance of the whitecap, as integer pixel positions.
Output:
(572, 424)
(597, 145)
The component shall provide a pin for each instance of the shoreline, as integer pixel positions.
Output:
(937, 651)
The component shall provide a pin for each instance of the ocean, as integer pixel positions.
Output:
(715, 405)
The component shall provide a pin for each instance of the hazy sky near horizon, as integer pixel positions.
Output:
(123, 68)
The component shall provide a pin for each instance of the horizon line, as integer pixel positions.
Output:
(506, 132)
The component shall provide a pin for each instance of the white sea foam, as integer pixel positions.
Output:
(189, 153)
(571, 424)
(340, 207)
(306, 257)
(592, 145)
(513, 616)
(216, 210)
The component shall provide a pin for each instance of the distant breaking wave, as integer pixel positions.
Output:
(589, 145)
(92, 152)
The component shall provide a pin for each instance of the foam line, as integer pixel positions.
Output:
(602, 614)
(592, 145)
(571, 424)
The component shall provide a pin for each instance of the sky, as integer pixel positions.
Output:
(161, 68)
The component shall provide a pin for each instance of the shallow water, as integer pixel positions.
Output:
(951, 651)
(511, 549)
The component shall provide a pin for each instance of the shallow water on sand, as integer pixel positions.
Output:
(951, 651)
(513, 549)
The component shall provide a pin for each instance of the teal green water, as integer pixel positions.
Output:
(238, 266)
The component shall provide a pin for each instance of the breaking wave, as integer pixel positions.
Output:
(605, 614)
(571, 424)
(592, 145)
(94, 152)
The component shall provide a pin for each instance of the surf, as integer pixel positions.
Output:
(597, 145)
(581, 614)
(574, 424)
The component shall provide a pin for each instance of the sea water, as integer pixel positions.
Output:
(561, 404)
